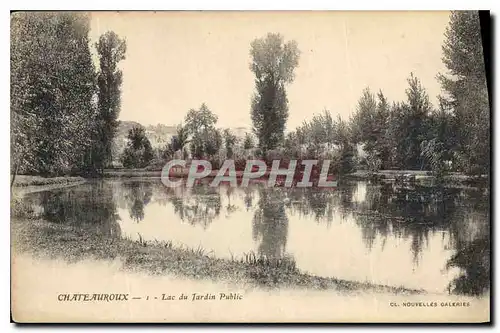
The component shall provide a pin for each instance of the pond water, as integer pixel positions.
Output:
(416, 237)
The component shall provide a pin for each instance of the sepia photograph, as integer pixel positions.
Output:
(250, 167)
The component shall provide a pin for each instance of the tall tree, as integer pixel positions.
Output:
(273, 63)
(343, 139)
(199, 120)
(201, 126)
(138, 152)
(24, 120)
(467, 93)
(416, 121)
(248, 141)
(179, 140)
(53, 85)
(212, 139)
(111, 50)
(364, 121)
(229, 141)
(384, 141)
(369, 126)
(437, 149)
(316, 133)
(396, 134)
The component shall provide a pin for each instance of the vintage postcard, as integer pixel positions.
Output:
(249, 166)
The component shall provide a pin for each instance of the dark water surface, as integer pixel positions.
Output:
(435, 239)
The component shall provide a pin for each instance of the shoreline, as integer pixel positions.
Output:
(381, 176)
(420, 176)
(46, 239)
(98, 277)
(32, 184)
(28, 184)
(26, 180)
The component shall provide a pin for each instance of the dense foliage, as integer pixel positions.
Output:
(467, 92)
(62, 110)
(273, 63)
(111, 50)
(138, 152)
(414, 134)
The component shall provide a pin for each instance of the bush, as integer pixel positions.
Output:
(373, 162)
(19, 208)
(156, 164)
(138, 152)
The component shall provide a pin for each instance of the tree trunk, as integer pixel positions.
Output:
(14, 175)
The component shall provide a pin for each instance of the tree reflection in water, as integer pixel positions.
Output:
(315, 202)
(270, 223)
(248, 197)
(473, 260)
(90, 207)
(198, 205)
(380, 211)
(416, 213)
(137, 195)
(411, 213)
(230, 207)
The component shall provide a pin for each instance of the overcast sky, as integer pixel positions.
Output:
(178, 60)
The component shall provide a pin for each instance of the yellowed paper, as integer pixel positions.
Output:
(98, 236)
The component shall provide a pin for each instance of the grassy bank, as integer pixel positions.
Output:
(42, 238)
(451, 178)
(129, 173)
(23, 181)
(138, 173)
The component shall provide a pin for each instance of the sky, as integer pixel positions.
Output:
(176, 61)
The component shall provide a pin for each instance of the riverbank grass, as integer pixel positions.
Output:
(42, 238)
(450, 178)
(24, 180)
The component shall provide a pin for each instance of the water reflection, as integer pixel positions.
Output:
(248, 197)
(230, 207)
(418, 212)
(432, 238)
(312, 202)
(88, 207)
(474, 262)
(136, 195)
(199, 205)
(270, 224)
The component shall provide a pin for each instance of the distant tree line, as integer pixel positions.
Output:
(200, 138)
